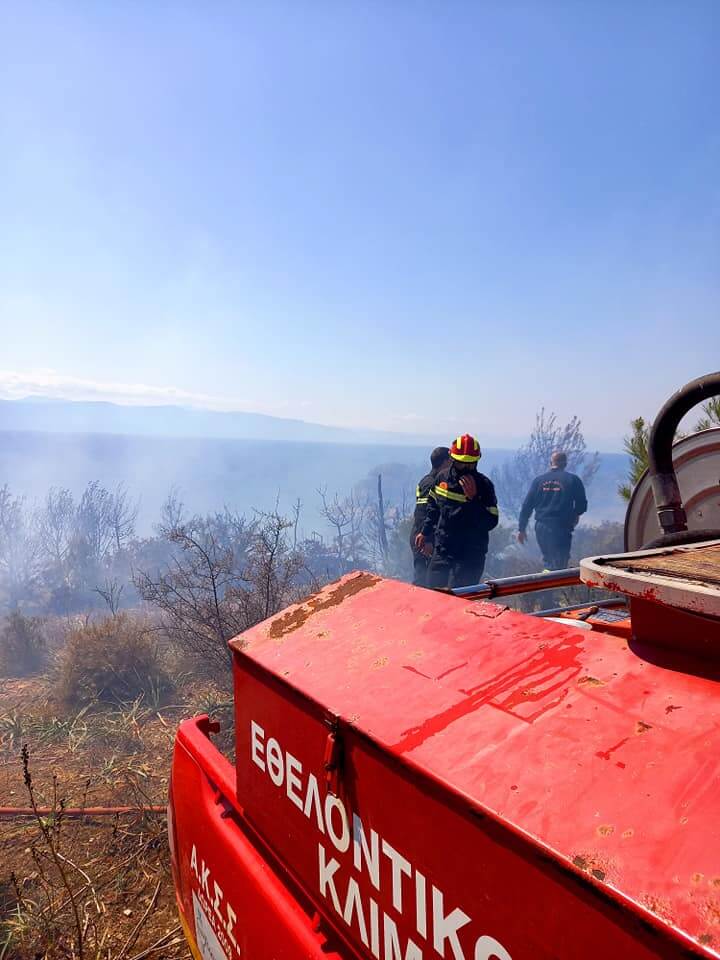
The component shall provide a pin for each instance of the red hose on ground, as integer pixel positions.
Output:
(6, 812)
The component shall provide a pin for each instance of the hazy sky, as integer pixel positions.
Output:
(406, 215)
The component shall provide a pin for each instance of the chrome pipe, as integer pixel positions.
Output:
(598, 604)
(529, 583)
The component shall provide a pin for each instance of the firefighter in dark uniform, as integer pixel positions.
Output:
(461, 512)
(439, 459)
(558, 499)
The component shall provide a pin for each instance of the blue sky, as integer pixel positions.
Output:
(405, 215)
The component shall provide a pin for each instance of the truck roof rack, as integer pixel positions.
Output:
(528, 583)
(685, 577)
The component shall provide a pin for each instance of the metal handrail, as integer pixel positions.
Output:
(508, 586)
(661, 469)
(589, 604)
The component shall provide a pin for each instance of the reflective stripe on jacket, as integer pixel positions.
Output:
(460, 525)
(422, 499)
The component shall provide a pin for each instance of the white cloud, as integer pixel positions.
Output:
(16, 385)
(48, 383)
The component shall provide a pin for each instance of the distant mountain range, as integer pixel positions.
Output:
(47, 415)
(246, 460)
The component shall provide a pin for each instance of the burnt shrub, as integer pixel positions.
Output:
(113, 660)
(22, 645)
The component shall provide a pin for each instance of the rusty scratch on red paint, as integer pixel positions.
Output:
(640, 728)
(606, 754)
(451, 670)
(296, 617)
(411, 669)
(425, 676)
(487, 609)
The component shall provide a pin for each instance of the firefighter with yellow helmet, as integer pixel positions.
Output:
(462, 510)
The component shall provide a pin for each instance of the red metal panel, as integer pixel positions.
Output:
(557, 787)
(232, 902)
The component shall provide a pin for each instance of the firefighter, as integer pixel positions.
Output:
(439, 459)
(558, 499)
(461, 512)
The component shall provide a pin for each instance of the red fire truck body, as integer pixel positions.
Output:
(423, 776)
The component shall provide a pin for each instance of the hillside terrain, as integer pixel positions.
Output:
(50, 415)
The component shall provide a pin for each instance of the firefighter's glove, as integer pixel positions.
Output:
(422, 546)
(469, 486)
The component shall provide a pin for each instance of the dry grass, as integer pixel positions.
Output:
(113, 660)
(116, 898)
(23, 649)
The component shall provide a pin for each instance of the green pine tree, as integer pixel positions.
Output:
(636, 443)
(711, 417)
(636, 447)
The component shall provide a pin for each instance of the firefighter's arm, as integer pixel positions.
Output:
(527, 508)
(427, 534)
(489, 502)
(485, 503)
(581, 503)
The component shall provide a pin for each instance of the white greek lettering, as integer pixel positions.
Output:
(312, 799)
(392, 943)
(327, 881)
(333, 819)
(204, 874)
(341, 841)
(292, 781)
(445, 928)
(216, 901)
(487, 948)
(353, 904)
(371, 853)
(400, 866)
(420, 904)
(374, 929)
(230, 926)
(257, 747)
(275, 764)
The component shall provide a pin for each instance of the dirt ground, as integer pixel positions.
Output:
(92, 887)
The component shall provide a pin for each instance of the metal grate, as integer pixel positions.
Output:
(696, 564)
